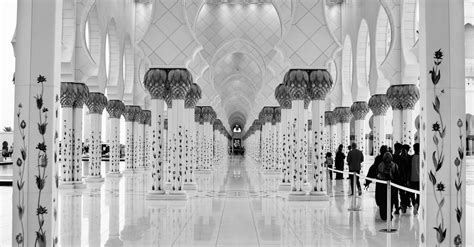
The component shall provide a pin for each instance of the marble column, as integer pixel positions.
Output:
(130, 114)
(207, 147)
(343, 118)
(178, 83)
(332, 137)
(283, 97)
(359, 110)
(443, 131)
(199, 137)
(266, 119)
(192, 98)
(257, 140)
(296, 81)
(138, 144)
(147, 160)
(155, 84)
(82, 94)
(319, 84)
(379, 105)
(115, 108)
(277, 140)
(96, 102)
(37, 89)
(410, 96)
(394, 96)
(68, 95)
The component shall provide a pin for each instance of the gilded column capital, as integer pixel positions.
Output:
(379, 104)
(282, 95)
(296, 80)
(320, 83)
(155, 83)
(217, 124)
(179, 81)
(329, 118)
(81, 95)
(267, 114)
(257, 124)
(144, 116)
(193, 96)
(343, 114)
(115, 108)
(403, 96)
(198, 114)
(131, 113)
(68, 94)
(208, 114)
(359, 110)
(96, 102)
(277, 114)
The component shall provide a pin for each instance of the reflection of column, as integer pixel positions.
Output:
(343, 118)
(379, 105)
(130, 113)
(443, 130)
(115, 108)
(113, 197)
(96, 102)
(296, 81)
(129, 231)
(359, 111)
(94, 219)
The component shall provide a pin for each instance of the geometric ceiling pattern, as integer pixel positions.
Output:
(237, 50)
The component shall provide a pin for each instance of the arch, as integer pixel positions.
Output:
(112, 59)
(408, 23)
(346, 74)
(92, 35)
(361, 88)
(383, 36)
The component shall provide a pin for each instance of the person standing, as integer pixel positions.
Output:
(397, 159)
(415, 177)
(387, 170)
(329, 163)
(355, 157)
(340, 156)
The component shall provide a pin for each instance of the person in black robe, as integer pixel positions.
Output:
(372, 173)
(339, 162)
(387, 170)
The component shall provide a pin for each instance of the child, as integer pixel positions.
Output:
(329, 162)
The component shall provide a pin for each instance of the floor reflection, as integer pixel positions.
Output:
(234, 205)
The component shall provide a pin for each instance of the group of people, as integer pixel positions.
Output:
(398, 166)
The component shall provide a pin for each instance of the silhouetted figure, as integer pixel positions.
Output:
(340, 156)
(397, 159)
(355, 157)
(415, 177)
(387, 170)
(329, 163)
(372, 173)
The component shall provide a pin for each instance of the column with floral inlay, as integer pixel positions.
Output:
(82, 93)
(130, 113)
(443, 218)
(192, 97)
(319, 84)
(68, 96)
(115, 108)
(96, 102)
(359, 110)
(379, 105)
(147, 159)
(343, 118)
(283, 97)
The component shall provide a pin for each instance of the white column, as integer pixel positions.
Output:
(443, 131)
(77, 142)
(115, 108)
(397, 124)
(96, 102)
(158, 149)
(379, 105)
(359, 110)
(317, 129)
(131, 113)
(37, 88)
(67, 147)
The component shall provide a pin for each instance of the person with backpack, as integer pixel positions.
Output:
(387, 171)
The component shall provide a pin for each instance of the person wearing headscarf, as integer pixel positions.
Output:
(339, 162)
(387, 171)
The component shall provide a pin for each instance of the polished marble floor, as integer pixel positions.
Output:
(233, 207)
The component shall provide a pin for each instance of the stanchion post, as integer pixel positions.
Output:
(389, 209)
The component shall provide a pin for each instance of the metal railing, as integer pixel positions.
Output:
(389, 184)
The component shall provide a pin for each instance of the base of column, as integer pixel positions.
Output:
(203, 171)
(114, 241)
(285, 187)
(113, 175)
(302, 196)
(189, 186)
(94, 179)
(128, 171)
(71, 185)
(171, 196)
